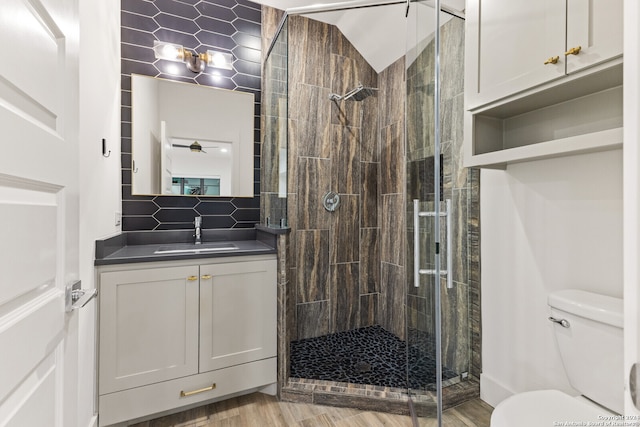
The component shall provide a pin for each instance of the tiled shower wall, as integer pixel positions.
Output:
(227, 25)
(392, 198)
(333, 257)
(349, 268)
(273, 196)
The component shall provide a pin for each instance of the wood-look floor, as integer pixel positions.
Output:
(261, 410)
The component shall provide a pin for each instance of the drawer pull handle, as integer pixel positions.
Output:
(573, 51)
(205, 277)
(192, 278)
(202, 390)
(552, 60)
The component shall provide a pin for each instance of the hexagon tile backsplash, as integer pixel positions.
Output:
(232, 26)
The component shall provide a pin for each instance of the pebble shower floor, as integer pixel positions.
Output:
(369, 355)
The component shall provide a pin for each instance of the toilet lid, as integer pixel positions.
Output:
(546, 408)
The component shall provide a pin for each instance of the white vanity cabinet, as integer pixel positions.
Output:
(148, 326)
(527, 96)
(514, 45)
(235, 333)
(172, 334)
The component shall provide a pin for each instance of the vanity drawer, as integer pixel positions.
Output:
(141, 401)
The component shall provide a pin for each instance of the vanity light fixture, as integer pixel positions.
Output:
(195, 62)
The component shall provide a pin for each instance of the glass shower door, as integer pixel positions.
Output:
(437, 333)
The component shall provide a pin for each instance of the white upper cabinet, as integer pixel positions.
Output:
(595, 26)
(515, 45)
(542, 79)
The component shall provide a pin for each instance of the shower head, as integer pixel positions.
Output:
(357, 94)
(360, 93)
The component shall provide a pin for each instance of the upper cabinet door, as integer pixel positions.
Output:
(596, 27)
(507, 45)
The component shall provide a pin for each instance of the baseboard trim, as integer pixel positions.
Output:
(492, 391)
(93, 422)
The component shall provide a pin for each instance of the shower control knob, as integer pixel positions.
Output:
(330, 201)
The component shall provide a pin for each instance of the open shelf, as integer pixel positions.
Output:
(578, 114)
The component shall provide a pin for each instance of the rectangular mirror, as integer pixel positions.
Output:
(190, 140)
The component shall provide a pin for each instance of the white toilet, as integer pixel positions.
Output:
(588, 329)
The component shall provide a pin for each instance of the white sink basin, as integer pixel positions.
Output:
(187, 248)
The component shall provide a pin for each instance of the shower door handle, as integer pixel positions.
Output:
(449, 246)
(417, 271)
(416, 244)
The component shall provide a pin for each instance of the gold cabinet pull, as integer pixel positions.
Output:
(192, 278)
(552, 60)
(202, 390)
(205, 277)
(573, 51)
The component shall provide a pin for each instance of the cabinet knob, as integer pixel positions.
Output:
(573, 51)
(205, 277)
(552, 60)
(192, 278)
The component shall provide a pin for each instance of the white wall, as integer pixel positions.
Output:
(545, 225)
(100, 193)
(631, 196)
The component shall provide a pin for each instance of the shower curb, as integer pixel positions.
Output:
(376, 398)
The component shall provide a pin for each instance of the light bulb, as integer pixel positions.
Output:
(219, 59)
(168, 51)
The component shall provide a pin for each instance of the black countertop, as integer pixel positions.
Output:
(142, 246)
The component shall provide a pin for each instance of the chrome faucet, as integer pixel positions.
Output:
(198, 223)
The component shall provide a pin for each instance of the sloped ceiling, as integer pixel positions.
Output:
(381, 34)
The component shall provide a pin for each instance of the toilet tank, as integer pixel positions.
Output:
(591, 346)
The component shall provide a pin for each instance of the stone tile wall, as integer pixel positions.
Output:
(392, 198)
(349, 268)
(275, 104)
(333, 146)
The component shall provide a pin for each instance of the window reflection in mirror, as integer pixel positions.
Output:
(191, 140)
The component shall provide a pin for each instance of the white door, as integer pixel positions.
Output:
(38, 211)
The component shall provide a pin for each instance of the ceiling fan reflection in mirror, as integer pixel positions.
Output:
(194, 146)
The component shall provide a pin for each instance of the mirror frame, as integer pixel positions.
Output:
(204, 114)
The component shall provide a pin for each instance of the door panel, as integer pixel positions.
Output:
(38, 47)
(595, 26)
(148, 326)
(510, 40)
(30, 405)
(35, 211)
(237, 312)
(38, 211)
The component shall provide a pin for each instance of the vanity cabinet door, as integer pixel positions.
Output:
(237, 313)
(148, 326)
